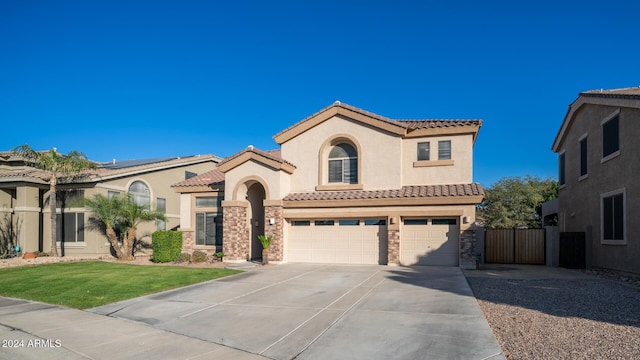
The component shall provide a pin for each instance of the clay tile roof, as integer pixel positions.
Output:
(212, 177)
(275, 155)
(423, 191)
(438, 123)
(27, 172)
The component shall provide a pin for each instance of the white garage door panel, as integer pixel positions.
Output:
(429, 245)
(335, 244)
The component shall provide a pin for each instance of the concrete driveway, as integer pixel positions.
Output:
(307, 311)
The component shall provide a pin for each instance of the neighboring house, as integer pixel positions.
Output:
(599, 165)
(346, 186)
(24, 194)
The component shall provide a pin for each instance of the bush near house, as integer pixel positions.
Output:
(183, 258)
(166, 245)
(199, 256)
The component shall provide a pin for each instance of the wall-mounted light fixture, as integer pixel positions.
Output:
(465, 220)
(272, 221)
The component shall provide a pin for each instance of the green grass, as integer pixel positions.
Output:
(84, 285)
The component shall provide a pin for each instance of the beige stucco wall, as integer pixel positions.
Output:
(276, 182)
(379, 154)
(460, 172)
(580, 199)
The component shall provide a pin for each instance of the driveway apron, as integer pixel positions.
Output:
(306, 311)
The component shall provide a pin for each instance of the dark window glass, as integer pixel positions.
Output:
(372, 222)
(343, 164)
(423, 151)
(206, 228)
(610, 137)
(583, 157)
(70, 227)
(561, 179)
(613, 217)
(415, 221)
(444, 221)
(348, 222)
(206, 202)
(300, 223)
(324, 222)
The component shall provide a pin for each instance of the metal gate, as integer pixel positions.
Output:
(515, 246)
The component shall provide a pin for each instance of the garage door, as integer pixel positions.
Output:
(338, 241)
(429, 242)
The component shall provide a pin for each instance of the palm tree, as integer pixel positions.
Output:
(120, 213)
(57, 166)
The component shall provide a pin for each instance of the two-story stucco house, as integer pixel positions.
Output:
(599, 165)
(346, 186)
(24, 194)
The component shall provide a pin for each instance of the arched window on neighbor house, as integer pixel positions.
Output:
(343, 164)
(140, 193)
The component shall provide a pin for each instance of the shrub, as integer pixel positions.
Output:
(199, 256)
(183, 257)
(40, 253)
(219, 255)
(166, 245)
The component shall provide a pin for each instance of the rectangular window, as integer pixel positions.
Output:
(613, 214)
(324, 223)
(583, 157)
(423, 151)
(374, 222)
(207, 202)
(444, 222)
(112, 194)
(161, 205)
(610, 137)
(207, 228)
(561, 169)
(335, 171)
(70, 227)
(348, 222)
(444, 150)
(415, 221)
(301, 223)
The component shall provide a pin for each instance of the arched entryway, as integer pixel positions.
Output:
(255, 196)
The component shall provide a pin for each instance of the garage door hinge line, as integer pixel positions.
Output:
(249, 293)
(322, 310)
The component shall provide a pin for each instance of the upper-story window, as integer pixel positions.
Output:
(583, 157)
(610, 137)
(561, 169)
(343, 164)
(140, 193)
(444, 150)
(423, 151)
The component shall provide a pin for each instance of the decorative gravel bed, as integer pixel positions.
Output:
(562, 318)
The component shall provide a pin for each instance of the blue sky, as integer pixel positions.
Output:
(141, 79)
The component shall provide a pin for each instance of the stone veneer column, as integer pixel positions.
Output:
(393, 241)
(468, 248)
(235, 233)
(188, 241)
(273, 210)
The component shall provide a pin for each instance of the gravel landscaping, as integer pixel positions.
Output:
(585, 318)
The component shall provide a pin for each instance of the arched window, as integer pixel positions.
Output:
(343, 164)
(140, 193)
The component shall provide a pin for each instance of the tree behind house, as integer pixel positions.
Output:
(59, 167)
(516, 202)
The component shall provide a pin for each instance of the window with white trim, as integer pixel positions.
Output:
(140, 193)
(613, 217)
(343, 164)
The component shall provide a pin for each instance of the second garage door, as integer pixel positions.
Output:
(339, 241)
(429, 242)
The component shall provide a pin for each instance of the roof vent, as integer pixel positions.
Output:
(337, 102)
(250, 147)
(113, 161)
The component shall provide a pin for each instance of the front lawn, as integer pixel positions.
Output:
(84, 285)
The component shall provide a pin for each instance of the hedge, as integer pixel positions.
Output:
(166, 245)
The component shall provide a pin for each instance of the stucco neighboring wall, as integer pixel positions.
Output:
(460, 172)
(276, 182)
(580, 198)
(379, 154)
